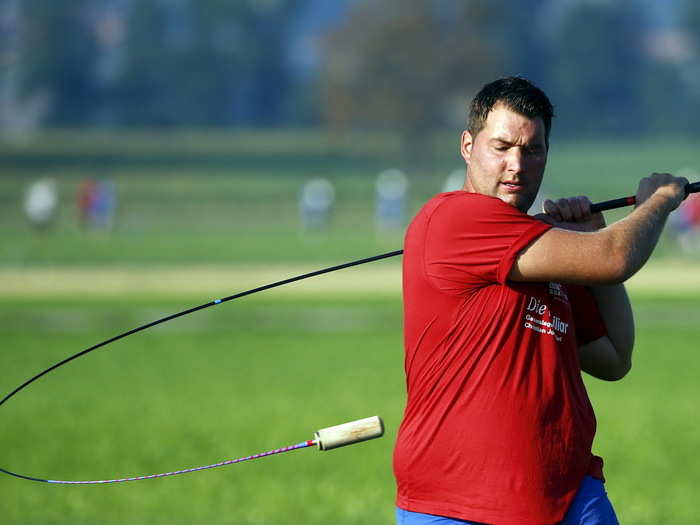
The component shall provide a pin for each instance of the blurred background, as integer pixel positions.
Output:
(156, 154)
(147, 120)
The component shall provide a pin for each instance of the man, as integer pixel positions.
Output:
(502, 311)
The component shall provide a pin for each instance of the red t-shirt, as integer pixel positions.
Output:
(498, 426)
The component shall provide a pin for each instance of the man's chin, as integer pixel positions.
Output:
(521, 202)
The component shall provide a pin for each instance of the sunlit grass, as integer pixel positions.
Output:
(248, 377)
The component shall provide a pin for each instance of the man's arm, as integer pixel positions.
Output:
(610, 357)
(603, 257)
(610, 255)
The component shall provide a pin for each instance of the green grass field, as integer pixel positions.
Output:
(206, 215)
(235, 380)
(264, 373)
(230, 198)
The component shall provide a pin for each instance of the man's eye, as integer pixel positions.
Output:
(501, 148)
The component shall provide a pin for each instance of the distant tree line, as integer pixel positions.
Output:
(403, 65)
(413, 64)
(159, 63)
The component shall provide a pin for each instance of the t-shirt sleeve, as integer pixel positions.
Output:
(588, 322)
(473, 240)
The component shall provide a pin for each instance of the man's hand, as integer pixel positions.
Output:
(573, 213)
(662, 185)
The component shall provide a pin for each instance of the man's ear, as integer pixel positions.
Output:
(466, 145)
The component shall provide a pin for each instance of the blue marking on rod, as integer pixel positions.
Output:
(217, 301)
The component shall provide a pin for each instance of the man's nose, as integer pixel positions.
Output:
(514, 160)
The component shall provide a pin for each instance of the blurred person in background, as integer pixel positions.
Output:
(686, 225)
(96, 203)
(502, 313)
(41, 203)
(84, 201)
(104, 205)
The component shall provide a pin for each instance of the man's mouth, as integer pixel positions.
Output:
(512, 186)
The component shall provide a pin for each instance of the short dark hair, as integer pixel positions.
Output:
(517, 94)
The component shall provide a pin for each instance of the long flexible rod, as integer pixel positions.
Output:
(599, 207)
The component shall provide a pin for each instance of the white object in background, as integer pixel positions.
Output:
(41, 202)
(454, 181)
(392, 191)
(316, 203)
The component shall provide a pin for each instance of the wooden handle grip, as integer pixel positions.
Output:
(349, 433)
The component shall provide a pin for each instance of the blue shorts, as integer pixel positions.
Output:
(591, 506)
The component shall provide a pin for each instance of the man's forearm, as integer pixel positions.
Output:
(616, 311)
(634, 238)
(596, 255)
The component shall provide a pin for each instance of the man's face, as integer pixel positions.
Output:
(507, 157)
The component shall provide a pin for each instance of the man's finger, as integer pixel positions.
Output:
(576, 209)
(582, 209)
(565, 210)
(586, 206)
(551, 209)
